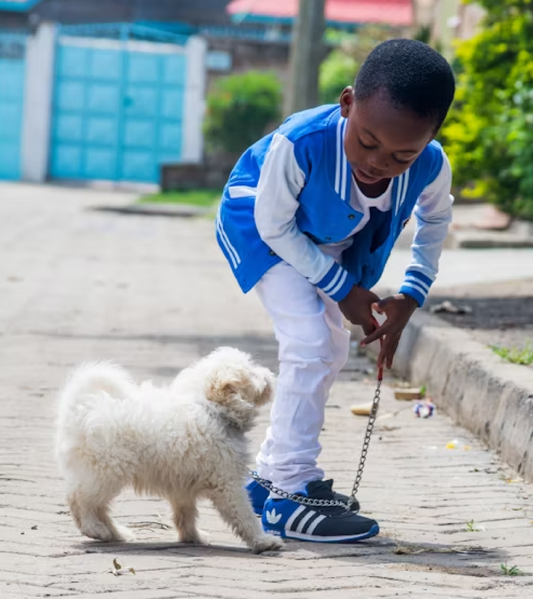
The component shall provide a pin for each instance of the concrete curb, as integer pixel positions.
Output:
(471, 384)
(155, 209)
(518, 235)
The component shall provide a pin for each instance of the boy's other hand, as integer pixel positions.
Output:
(357, 308)
(398, 309)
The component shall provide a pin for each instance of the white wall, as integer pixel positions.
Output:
(193, 138)
(40, 57)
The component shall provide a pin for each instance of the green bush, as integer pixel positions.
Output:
(489, 133)
(240, 109)
(336, 72)
(340, 67)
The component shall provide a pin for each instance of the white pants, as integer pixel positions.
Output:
(313, 348)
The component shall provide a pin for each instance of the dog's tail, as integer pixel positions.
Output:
(93, 378)
(79, 409)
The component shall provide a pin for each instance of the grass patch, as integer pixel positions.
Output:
(523, 357)
(510, 570)
(204, 198)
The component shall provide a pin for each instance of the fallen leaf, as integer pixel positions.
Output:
(119, 570)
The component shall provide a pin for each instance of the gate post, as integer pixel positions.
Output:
(38, 103)
(193, 139)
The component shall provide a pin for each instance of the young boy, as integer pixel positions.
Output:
(308, 219)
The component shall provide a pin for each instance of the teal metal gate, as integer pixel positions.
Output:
(118, 103)
(12, 85)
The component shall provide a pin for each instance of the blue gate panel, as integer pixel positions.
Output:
(69, 128)
(117, 113)
(139, 134)
(101, 130)
(71, 97)
(87, 105)
(139, 166)
(172, 104)
(141, 101)
(70, 159)
(143, 68)
(170, 138)
(103, 98)
(106, 65)
(72, 61)
(99, 163)
(174, 70)
(12, 84)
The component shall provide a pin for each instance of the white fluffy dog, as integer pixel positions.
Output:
(182, 442)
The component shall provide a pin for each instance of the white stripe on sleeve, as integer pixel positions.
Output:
(276, 203)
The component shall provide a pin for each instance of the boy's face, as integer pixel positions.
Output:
(382, 141)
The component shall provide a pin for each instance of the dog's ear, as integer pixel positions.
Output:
(265, 386)
(229, 392)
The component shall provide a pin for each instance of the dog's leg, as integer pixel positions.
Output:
(90, 510)
(185, 515)
(232, 502)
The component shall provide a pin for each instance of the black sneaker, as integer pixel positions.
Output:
(258, 495)
(291, 520)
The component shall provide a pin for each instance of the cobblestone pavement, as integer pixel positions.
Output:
(154, 293)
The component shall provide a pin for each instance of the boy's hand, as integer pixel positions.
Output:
(399, 309)
(357, 308)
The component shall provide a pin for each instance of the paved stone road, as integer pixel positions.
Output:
(154, 294)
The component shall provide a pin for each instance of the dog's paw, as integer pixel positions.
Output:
(198, 538)
(124, 535)
(101, 532)
(267, 543)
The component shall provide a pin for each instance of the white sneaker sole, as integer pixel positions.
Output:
(300, 536)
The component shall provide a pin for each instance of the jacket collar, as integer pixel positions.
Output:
(343, 170)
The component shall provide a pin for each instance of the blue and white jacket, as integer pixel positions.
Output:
(290, 193)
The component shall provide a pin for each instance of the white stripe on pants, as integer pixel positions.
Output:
(313, 348)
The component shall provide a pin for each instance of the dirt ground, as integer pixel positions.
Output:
(501, 314)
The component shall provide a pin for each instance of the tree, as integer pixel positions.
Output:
(489, 134)
(306, 54)
(240, 110)
(340, 67)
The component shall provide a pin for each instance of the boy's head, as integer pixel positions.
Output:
(401, 97)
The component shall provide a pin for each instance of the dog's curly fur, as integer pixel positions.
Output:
(182, 442)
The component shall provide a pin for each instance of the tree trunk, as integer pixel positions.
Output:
(306, 55)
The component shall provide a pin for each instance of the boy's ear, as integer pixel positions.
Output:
(346, 101)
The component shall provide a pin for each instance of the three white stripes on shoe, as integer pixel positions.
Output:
(307, 524)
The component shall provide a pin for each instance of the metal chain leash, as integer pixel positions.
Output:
(309, 501)
(368, 435)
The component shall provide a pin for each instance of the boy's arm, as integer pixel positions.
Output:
(282, 178)
(433, 214)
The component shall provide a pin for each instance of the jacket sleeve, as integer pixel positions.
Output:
(433, 212)
(282, 178)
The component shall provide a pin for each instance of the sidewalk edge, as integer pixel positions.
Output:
(471, 384)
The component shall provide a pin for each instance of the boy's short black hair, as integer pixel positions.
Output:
(414, 76)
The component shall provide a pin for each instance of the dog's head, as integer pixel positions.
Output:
(237, 384)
